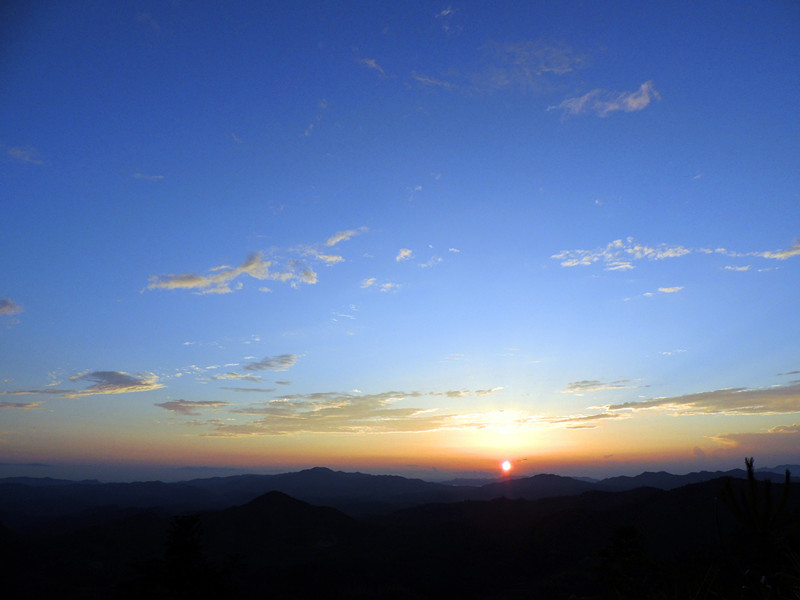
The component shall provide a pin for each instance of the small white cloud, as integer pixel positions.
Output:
(670, 290)
(148, 177)
(404, 254)
(368, 282)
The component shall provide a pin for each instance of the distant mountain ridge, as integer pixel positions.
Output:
(29, 502)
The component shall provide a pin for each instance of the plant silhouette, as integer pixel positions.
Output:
(763, 549)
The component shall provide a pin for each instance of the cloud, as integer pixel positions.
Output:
(368, 282)
(219, 282)
(236, 376)
(371, 63)
(273, 363)
(781, 254)
(581, 421)
(523, 65)
(190, 407)
(465, 393)
(730, 401)
(113, 382)
(104, 382)
(329, 259)
(148, 177)
(20, 405)
(26, 154)
(258, 390)
(619, 254)
(333, 412)
(432, 262)
(9, 307)
(782, 439)
(670, 290)
(343, 236)
(593, 385)
(431, 81)
(404, 254)
(390, 287)
(603, 102)
(220, 278)
(741, 269)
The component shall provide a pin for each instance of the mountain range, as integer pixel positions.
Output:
(365, 536)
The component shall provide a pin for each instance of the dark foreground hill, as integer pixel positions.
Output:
(641, 543)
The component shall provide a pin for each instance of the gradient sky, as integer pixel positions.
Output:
(406, 237)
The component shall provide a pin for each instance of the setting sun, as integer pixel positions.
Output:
(506, 466)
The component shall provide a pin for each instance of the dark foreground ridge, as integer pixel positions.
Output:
(729, 536)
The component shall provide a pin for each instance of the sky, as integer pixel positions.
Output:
(398, 237)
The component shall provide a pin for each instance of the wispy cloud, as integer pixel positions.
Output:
(781, 254)
(190, 407)
(730, 401)
(620, 254)
(148, 177)
(431, 262)
(250, 390)
(594, 385)
(661, 290)
(236, 376)
(582, 421)
(467, 393)
(372, 282)
(372, 63)
(522, 65)
(343, 236)
(220, 279)
(781, 439)
(20, 405)
(113, 382)
(103, 382)
(322, 106)
(281, 362)
(26, 154)
(740, 269)
(604, 102)
(431, 81)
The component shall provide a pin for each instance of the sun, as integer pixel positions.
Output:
(506, 466)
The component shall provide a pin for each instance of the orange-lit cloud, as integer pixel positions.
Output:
(731, 401)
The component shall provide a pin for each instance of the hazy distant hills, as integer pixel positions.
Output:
(52, 504)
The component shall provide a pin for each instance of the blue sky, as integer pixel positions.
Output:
(408, 237)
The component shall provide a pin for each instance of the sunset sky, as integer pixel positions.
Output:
(398, 237)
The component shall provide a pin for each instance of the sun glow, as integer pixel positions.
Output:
(506, 466)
